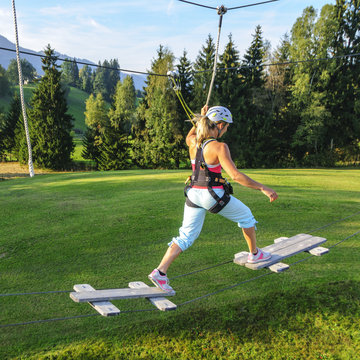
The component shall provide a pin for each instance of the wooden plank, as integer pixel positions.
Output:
(116, 294)
(161, 303)
(242, 260)
(105, 308)
(284, 249)
(279, 267)
(280, 239)
(241, 254)
(319, 251)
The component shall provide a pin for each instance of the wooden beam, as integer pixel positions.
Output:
(161, 303)
(105, 308)
(283, 249)
(116, 294)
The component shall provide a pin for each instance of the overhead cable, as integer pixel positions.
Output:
(193, 72)
(233, 8)
(86, 63)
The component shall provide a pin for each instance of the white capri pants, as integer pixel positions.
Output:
(194, 218)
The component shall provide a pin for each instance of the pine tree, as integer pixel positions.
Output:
(122, 113)
(140, 135)
(70, 72)
(343, 95)
(11, 121)
(278, 89)
(28, 71)
(49, 123)
(163, 139)
(4, 83)
(91, 147)
(114, 150)
(187, 88)
(105, 79)
(253, 70)
(230, 92)
(314, 37)
(96, 112)
(258, 128)
(85, 79)
(113, 77)
(186, 77)
(99, 82)
(2, 146)
(203, 66)
(96, 120)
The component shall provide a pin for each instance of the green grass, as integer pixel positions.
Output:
(76, 104)
(109, 228)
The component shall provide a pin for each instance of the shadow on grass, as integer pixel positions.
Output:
(308, 323)
(276, 310)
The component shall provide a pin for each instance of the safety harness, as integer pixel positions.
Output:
(203, 177)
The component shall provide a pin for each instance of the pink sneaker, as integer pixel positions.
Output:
(161, 281)
(260, 256)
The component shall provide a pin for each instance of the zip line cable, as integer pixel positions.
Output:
(86, 63)
(23, 108)
(192, 72)
(233, 8)
(179, 305)
(259, 3)
(177, 276)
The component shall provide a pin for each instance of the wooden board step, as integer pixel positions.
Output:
(161, 303)
(105, 308)
(318, 251)
(279, 267)
(282, 249)
(116, 294)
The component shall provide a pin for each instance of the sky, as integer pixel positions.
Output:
(132, 30)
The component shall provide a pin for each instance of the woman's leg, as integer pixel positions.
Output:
(250, 237)
(238, 212)
(189, 231)
(171, 254)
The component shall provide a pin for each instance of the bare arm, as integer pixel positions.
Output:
(190, 137)
(244, 180)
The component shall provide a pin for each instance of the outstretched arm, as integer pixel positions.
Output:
(244, 180)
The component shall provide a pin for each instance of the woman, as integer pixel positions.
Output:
(209, 191)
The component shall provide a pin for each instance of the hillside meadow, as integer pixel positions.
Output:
(110, 228)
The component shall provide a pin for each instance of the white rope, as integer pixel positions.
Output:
(31, 168)
(221, 11)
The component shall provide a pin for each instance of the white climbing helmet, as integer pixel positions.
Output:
(219, 113)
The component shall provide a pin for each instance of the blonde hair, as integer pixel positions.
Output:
(204, 126)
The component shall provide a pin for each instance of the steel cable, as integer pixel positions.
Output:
(193, 72)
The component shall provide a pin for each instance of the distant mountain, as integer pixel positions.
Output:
(6, 56)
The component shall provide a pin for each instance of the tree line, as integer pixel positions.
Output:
(300, 111)
(295, 111)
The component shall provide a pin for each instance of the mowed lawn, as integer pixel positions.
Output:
(109, 228)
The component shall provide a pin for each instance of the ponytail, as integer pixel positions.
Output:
(203, 129)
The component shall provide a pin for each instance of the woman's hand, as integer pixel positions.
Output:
(204, 110)
(270, 193)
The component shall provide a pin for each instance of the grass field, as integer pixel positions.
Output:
(110, 228)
